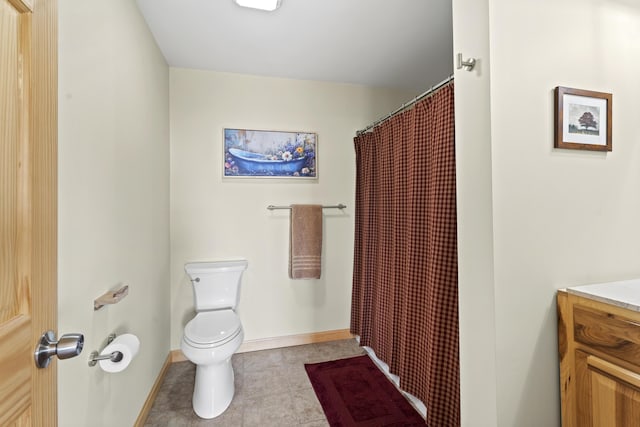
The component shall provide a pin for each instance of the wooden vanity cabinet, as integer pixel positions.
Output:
(599, 348)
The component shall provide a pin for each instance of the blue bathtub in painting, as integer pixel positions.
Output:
(258, 164)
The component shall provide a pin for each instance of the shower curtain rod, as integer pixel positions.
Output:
(403, 107)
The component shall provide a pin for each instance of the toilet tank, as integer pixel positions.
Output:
(216, 285)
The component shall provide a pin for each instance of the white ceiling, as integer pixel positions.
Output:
(404, 44)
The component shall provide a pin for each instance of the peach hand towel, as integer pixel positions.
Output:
(305, 242)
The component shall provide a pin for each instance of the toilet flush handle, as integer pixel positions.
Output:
(197, 279)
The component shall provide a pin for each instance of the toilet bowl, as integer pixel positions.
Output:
(214, 334)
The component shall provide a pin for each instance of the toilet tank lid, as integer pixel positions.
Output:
(215, 266)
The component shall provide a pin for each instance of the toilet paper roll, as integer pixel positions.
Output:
(128, 345)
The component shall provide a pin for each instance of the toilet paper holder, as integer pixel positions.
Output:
(95, 356)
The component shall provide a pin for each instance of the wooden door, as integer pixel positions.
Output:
(28, 208)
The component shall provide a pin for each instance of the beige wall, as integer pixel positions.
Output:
(560, 217)
(215, 219)
(113, 204)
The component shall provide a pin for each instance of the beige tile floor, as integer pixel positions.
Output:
(272, 389)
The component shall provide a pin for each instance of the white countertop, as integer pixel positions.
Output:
(625, 294)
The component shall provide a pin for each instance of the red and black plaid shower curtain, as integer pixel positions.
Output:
(405, 275)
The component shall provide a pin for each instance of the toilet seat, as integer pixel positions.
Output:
(212, 328)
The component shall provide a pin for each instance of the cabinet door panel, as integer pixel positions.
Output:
(584, 417)
(609, 395)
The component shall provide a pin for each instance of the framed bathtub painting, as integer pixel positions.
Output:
(252, 153)
(583, 119)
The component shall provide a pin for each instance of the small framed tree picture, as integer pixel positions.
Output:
(583, 119)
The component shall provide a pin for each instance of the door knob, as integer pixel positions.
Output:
(69, 345)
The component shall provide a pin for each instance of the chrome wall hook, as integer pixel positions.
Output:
(468, 65)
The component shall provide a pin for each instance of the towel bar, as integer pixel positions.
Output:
(340, 206)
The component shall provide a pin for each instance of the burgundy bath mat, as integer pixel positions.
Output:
(354, 392)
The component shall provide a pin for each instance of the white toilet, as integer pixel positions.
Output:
(211, 338)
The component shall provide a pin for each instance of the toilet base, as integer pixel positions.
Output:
(213, 390)
(214, 386)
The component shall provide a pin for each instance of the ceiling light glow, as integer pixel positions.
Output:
(268, 5)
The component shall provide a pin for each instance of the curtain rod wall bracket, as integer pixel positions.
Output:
(468, 65)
